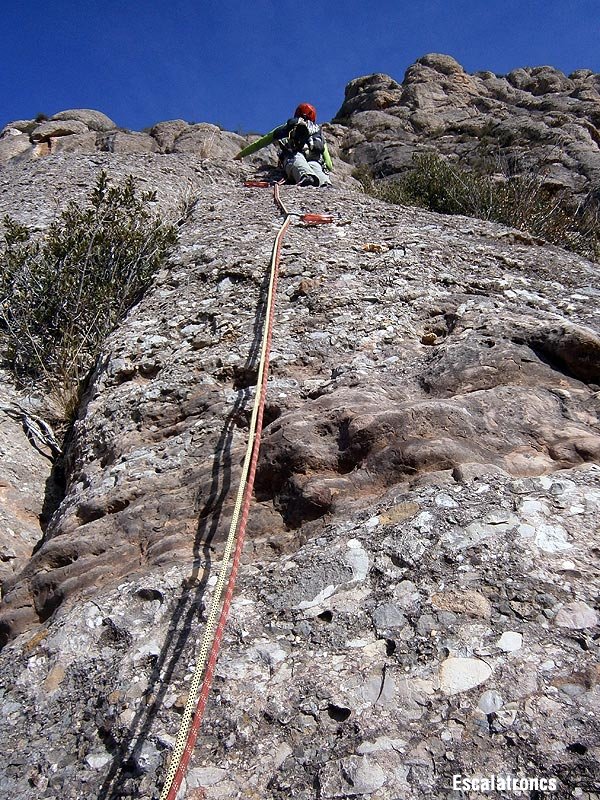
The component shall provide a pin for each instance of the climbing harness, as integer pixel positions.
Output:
(216, 620)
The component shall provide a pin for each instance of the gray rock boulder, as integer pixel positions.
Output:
(122, 142)
(166, 133)
(368, 93)
(208, 141)
(446, 65)
(20, 125)
(76, 143)
(13, 147)
(93, 120)
(540, 80)
(51, 129)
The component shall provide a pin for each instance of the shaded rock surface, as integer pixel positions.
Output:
(419, 590)
(24, 479)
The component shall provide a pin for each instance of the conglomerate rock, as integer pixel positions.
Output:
(419, 590)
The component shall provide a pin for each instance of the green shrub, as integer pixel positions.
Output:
(515, 198)
(62, 293)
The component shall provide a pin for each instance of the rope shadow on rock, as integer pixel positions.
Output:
(190, 606)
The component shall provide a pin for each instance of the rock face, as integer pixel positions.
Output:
(83, 130)
(419, 590)
(26, 459)
(536, 117)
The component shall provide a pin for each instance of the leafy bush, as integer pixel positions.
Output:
(62, 293)
(515, 198)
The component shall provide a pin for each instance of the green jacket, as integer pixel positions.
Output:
(275, 135)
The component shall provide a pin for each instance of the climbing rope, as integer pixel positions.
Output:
(216, 621)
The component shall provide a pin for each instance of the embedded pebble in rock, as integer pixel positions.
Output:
(461, 674)
(427, 492)
(576, 615)
(357, 559)
(381, 743)
(445, 501)
(351, 777)
(463, 602)
(510, 641)
(202, 777)
(388, 616)
(490, 701)
(552, 538)
(98, 761)
(398, 513)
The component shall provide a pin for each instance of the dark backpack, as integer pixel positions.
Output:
(306, 137)
(299, 136)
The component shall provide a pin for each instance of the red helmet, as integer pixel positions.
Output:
(307, 111)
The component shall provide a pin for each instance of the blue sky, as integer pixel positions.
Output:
(246, 65)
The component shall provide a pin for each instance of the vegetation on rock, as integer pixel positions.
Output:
(510, 196)
(62, 293)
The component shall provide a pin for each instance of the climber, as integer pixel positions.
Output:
(303, 152)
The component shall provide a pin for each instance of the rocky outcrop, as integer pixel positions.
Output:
(208, 141)
(534, 119)
(418, 594)
(87, 131)
(13, 144)
(46, 131)
(93, 120)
